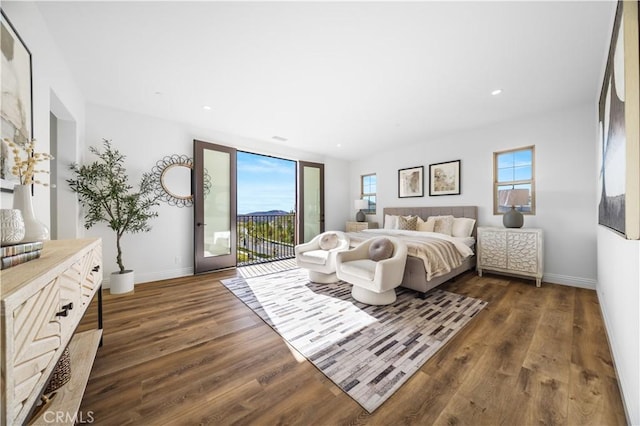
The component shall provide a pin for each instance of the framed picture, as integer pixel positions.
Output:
(16, 112)
(444, 178)
(411, 182)
(619, 128)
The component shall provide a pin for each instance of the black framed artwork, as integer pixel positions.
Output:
(16, 108)
(444, 178)
(411, 182)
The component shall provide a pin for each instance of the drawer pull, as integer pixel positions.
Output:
(62, 313)
(96, 268)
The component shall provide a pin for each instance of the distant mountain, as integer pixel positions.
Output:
(268, 213)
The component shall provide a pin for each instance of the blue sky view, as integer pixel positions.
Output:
(265, 183)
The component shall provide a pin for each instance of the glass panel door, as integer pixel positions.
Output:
(214, 207)
(310, 200)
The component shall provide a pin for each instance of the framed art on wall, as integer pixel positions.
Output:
(16, 112)
(411, 182)
(444, 178)
(619, 128)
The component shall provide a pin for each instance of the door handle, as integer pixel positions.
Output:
(201, 224)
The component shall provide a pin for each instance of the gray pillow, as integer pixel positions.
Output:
(328, 241)
(380, 249)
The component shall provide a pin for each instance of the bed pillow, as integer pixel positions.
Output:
(390, 221)
(462, 227)
(328, 241)
(407, 224)
(426, 226)
(380, 249)
(442, 224)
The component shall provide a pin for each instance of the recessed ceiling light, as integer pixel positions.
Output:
(279, 138)
(496, 92)
(339, 145)
(206, 107)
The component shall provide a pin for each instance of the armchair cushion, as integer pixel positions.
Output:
(318, 257)
(328, 241)
(380, 249)
(363, 268)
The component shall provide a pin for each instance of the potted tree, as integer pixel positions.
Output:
(106, 196)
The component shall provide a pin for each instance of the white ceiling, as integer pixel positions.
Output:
(363, 75)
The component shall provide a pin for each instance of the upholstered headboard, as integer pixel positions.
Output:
(424, 212)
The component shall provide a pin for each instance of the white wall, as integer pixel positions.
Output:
(53, 89)
(564, 175)
(619, 296)
(145, 140)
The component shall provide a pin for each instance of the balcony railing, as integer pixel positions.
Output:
(265, 238)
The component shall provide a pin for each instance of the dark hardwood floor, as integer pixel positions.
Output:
(187, 352)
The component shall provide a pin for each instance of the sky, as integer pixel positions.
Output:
(265, 183)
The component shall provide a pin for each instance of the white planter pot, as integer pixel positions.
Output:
(121, 283)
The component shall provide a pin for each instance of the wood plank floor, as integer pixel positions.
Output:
(186, 351)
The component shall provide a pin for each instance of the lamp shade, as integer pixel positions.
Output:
(513, 197)
(361, 204)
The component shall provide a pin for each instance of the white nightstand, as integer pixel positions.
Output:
(515, 251)
(359, 226)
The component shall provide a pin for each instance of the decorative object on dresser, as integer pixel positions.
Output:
(42, 304)
(444, 178)
(359, 226)
(359, 206)
(105, 194)
(11, 226)
(511, 251)
(16, 107)
(411, 182)
(512, 198)
(34, 229)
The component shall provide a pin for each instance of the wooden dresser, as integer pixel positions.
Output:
(359, 226)
(42, 303)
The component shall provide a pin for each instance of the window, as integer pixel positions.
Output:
(514, 170)
(368, 191)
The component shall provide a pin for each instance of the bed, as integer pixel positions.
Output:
(416, 276)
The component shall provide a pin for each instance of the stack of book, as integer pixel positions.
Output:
(19, 253)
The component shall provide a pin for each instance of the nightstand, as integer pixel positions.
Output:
(359, 226)
(516, 251)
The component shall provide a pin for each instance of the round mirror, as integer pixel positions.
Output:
(172, 179)
(176, 181)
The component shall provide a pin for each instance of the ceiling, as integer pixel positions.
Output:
(334, 78)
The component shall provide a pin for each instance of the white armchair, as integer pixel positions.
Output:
(318, 256)
(374, 268)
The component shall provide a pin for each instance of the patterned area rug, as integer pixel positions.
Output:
(368, 351)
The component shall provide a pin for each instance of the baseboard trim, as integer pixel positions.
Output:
(153, 276)
(570, 281)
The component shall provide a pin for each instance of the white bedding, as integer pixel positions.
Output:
(463, 245)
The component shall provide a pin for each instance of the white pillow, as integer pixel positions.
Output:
(462, 227)
(390, 221)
